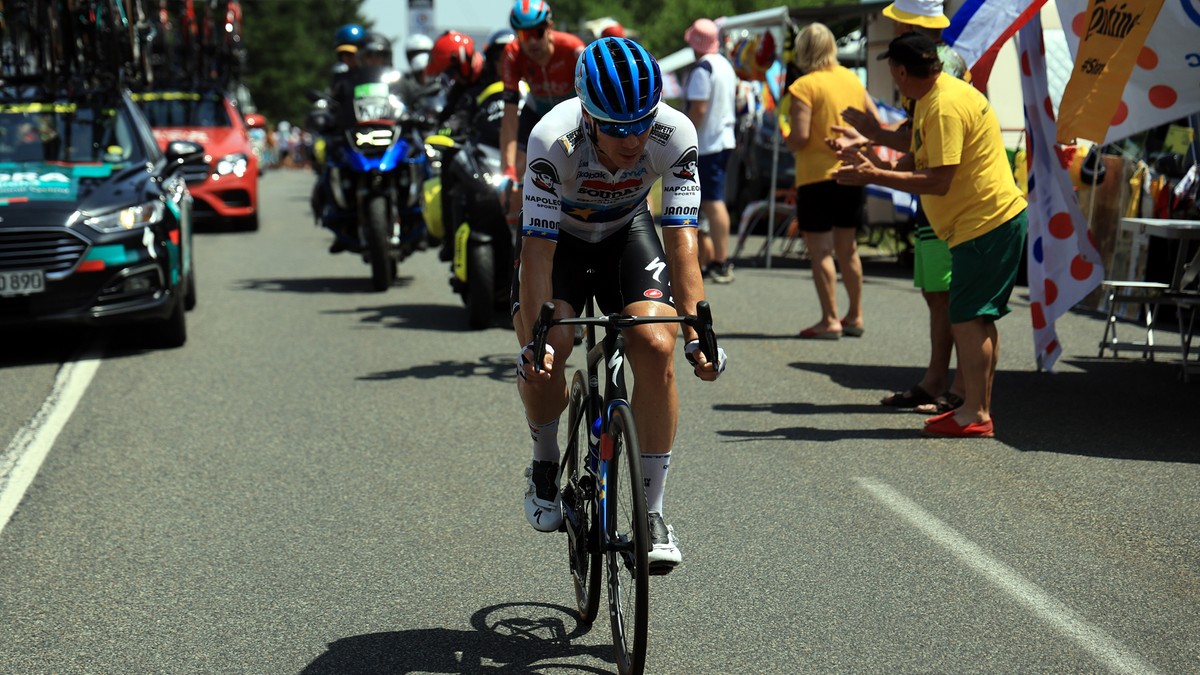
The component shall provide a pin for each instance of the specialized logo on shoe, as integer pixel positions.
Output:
(686, 164)
(545, 176)
(653, 293)
(537, 515)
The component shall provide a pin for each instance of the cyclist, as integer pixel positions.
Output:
(587, 231)
(418, 91)
(545, 59)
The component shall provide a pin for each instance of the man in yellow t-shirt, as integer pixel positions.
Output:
(959, 168)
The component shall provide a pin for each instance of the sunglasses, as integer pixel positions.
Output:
(527, 34)
(626, 129)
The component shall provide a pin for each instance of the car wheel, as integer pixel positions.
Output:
(172, 331)
(189, 298)
(249, 223)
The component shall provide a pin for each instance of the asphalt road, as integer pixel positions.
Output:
(328, 480)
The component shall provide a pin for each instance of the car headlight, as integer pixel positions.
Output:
(232, 164)
(127, 218)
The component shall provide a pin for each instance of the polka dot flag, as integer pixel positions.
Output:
(1165, 83)
(1064, 264)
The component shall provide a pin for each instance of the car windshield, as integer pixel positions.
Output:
(183, 109)
(66, 132)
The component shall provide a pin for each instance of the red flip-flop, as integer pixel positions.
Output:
(946, 427)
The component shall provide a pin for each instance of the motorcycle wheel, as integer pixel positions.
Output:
(379, 231)
(481, 286)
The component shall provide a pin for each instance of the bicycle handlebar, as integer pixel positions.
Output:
(701, 321)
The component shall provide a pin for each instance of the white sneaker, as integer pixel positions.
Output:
(664, 555)
(543, 508)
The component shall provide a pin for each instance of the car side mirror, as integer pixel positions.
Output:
(184, 152)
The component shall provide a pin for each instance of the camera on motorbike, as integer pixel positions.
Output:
(321, 119)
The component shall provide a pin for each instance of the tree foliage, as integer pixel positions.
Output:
(660, 25)
(289, 46)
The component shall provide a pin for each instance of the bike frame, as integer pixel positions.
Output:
(609, 354)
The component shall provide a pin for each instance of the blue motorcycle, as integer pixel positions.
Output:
(369, 194)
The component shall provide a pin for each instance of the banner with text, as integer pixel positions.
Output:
(1111, 38)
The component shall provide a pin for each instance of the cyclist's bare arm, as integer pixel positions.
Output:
(508, 137)
(687, 286)
(537, 266)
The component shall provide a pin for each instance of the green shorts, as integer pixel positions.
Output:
(931, 258)
(985, 271)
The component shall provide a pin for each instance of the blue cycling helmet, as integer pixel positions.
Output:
(350, 34)
(617, 80)
(528, 14)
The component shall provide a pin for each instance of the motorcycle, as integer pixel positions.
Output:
(370, 195)
(482, 236)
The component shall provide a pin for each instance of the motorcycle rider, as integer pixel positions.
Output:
(418, 91)
(346, 47)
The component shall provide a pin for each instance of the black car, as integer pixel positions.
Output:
(95, 220)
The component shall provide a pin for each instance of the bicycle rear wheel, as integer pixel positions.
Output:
(579, 498)
(627, 526)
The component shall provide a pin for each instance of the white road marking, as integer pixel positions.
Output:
(23, 457)
(1108, 650)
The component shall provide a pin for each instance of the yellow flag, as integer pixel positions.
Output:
(1110, 43)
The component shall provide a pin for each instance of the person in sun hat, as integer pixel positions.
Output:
(936, 392)
(711, 94)
(959, 167)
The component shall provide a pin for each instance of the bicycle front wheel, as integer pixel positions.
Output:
(627, 528)
(579, 502)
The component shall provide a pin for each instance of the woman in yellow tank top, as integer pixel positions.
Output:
(828, 214)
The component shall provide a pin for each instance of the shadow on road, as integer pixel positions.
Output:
(359, 284)
(499, 367)
(1114, 408)
(507, 638)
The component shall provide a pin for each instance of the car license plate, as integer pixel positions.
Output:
(22, 282)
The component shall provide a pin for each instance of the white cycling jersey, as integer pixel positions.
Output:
(567, 186)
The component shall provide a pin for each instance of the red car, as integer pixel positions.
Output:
(225, 186)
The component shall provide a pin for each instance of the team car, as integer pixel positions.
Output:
(95, 219)
(225, 185)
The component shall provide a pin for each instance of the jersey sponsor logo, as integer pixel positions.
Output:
(686, 165)
(652, 293)
(604, 190)
(682, 189)
(543, 224)
(661, 133)
(538, 199)
(545, 176)
(570, 140)
(692, 211)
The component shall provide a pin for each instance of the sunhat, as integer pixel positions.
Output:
(702, 36)
(923, 13)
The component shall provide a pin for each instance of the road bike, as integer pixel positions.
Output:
(603, 496)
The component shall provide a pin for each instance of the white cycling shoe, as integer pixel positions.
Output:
(664, 555)
(543, 508)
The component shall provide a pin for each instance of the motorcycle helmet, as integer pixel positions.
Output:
(374, 43)
(527, 14)
(348, 36)
(417, 43)
(497, 41)
(618, 81)
(452, 50)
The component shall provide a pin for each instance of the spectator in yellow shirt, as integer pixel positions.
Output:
(959, 167)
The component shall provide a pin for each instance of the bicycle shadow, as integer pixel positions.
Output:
(514, 637)
(358, 285)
